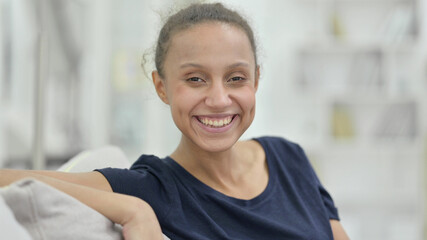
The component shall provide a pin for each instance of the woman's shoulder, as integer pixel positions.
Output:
(269, 147)
(146, 161)
(282, 149)
(276, 142)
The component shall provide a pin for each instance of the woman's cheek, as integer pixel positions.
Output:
(184, 98)
(246, 97)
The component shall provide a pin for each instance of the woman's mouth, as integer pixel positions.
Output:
(216, 122)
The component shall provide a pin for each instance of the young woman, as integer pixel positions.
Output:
(212, 186)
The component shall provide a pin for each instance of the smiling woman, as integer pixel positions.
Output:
(206, 82)
(214, 186)
(265, 188)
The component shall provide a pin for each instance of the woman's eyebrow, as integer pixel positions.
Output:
(239, 64)
(186, 65)
(234, 65)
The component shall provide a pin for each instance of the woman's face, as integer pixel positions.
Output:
(210, 80)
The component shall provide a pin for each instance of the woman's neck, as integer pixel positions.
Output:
(240, 171)
(210, 167)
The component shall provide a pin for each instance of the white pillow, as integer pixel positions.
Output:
(9, 227)
(49, 214)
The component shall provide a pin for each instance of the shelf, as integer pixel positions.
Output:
(354, 47)
(354, 1)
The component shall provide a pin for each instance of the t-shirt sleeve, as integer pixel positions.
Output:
(146, 179)
(326, 197)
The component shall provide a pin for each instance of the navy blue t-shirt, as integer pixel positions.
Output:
(294, 204)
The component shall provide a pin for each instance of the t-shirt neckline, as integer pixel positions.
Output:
(206, 189)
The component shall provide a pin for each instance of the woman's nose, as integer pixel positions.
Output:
(218, 96)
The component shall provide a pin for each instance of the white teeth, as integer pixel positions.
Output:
(215, 123)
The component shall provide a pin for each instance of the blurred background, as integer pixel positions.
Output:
(346, 79)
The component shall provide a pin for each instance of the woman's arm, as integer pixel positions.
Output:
(89, 179)
(136, 216)
(338, 230)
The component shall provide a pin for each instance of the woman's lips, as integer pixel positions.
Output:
(217, 123)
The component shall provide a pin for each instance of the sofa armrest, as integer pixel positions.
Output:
(108, 156)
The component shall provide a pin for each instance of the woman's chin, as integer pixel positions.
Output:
(217, 145)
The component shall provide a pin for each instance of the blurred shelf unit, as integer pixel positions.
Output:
(368, 69)
(364, 66)
(365, 21)
(375, 122)
(363, 62)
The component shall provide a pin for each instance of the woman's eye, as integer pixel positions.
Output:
(195, 79)
(235, 79)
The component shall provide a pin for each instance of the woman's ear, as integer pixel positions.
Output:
(159, 84)
(257, 75)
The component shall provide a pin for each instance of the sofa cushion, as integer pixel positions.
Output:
(47, 213)
(9, 227)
